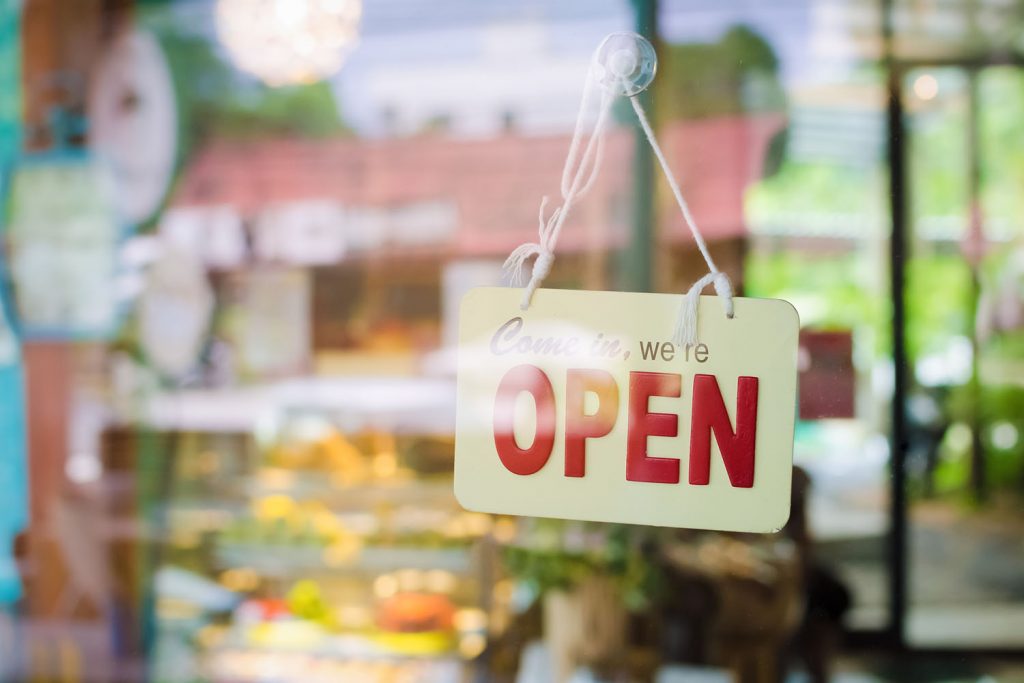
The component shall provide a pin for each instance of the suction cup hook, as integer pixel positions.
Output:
(625, 64)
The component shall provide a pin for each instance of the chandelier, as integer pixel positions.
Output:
(284, 42)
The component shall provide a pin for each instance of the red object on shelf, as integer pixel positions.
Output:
(415, 613)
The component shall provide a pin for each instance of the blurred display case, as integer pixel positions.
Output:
(318, 546)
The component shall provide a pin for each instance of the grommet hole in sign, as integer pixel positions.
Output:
(694, 418)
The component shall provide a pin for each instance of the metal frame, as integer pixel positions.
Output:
(897, 541)
(637, 271)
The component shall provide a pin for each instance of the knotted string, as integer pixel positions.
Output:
(578, 176)
(574, 187)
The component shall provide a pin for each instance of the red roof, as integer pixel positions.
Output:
(496, 184)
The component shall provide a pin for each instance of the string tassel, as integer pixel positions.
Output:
(686, 322)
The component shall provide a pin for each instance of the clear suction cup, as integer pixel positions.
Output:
(625, 64)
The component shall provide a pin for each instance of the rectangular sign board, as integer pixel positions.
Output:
(582, 408)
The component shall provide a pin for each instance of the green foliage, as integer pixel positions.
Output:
(939, 150)
(736, 75)
(301, 111)
(938, 287)
(832, 291)
(814, 190)
(1008, 346)
(1001, 92)
(938, 165)
(992, 404)
(622, 555)
(999, 408)
(749, 50)
(849, 287)
(217, 102)
(953, 470)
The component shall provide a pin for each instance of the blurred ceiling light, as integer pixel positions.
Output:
(926, 87)
(289, 41)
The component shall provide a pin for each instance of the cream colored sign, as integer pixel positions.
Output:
(581, 408)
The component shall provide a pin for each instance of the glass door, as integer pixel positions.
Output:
(965, 337)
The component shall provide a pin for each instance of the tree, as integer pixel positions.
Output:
(215, 101)
(736, 75)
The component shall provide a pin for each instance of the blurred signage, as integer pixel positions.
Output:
(174, 312)
(305, 233)
(214, 234)
(581, 408)
(827, 377)
(268, 321)
(409, 225)
(321, 233)
(64, 235)
(300, 233)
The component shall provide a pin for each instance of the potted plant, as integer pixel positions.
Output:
(589, 576)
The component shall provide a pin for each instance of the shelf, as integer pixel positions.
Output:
(364, 496)
(340, 658)
(401, 405)
(287, 561)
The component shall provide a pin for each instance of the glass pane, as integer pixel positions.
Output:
(963, 330)
(776, 116)
(369, 204)
(249, 477)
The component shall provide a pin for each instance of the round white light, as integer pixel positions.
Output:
(926, 87)
(1004, 435)
(284, 42)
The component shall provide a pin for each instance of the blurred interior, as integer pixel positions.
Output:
(236, 233)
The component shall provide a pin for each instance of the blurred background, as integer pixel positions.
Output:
(235, 235)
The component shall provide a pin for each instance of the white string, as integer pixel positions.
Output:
(577, 136)
(574, 187)
(686, 323)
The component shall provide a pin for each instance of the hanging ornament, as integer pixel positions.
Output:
(624, 407)
(285, 42)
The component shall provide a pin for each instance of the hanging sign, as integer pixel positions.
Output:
(581, 407)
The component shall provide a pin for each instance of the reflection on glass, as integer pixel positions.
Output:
(251, 478)
(965, 321)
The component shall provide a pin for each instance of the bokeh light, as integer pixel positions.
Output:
(286, 42)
